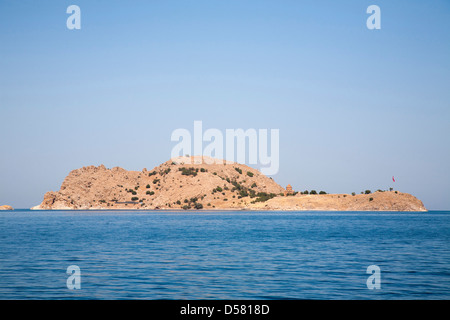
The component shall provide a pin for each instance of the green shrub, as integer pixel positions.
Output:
(203, 170)
(194, 199)
(178, 202)
(134, 198)
(254, 185)
(263, 196)
(236, 185)
(186, 207)
(353, 194)
(147, 186)
(322, 192)
(133, 193)
(250, 174)
(238, 170)
(152, 173)
(243, 193)
(219, 189)
(370, 199)
(305, 192)
(188, 171)
(198, 206)
(367, 192)
(155, 181)
(313, 192)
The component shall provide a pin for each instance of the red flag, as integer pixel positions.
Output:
(393, 178)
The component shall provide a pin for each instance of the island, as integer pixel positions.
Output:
(199, 183)
(6, 207)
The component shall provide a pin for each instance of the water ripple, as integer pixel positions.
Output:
(224, 255)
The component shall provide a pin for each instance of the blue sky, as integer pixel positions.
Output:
(354, 106)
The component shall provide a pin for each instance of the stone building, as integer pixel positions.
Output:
(288, 190)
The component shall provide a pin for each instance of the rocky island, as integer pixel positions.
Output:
(203, 183)
(6, 208)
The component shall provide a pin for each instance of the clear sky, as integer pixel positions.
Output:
(354, 106)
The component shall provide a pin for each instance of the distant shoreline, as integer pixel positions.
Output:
(217, 210)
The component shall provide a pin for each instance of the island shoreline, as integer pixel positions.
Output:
(191, 183)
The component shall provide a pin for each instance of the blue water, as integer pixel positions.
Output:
(224, 255)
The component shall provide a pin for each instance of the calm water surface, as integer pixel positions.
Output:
(224, 255)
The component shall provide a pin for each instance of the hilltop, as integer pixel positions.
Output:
(202, 183)
(175, 184)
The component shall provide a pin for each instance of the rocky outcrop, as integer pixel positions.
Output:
(378, 201)
(175, 184)
(6, 208)
(202, 183)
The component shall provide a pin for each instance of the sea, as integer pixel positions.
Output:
(197, 255)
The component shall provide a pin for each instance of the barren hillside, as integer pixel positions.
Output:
(174, 184)
(194, 183)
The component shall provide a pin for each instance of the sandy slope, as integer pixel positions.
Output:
(381, 201)
(176, 184)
